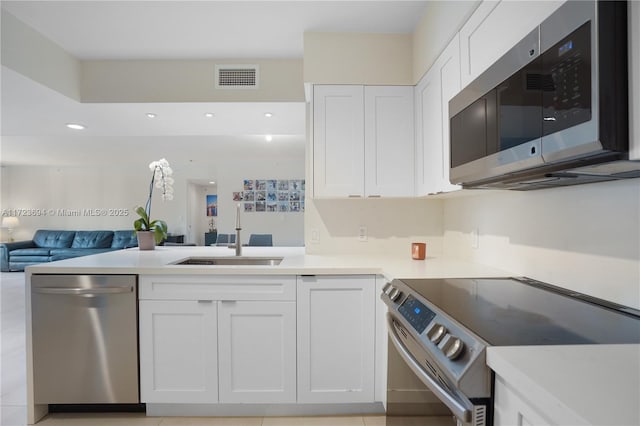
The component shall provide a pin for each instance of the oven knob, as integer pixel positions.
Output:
(394, 294)
(386, 288)
(436, 332)
(451, 346)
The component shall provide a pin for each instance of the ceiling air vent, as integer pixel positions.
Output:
(237, 76)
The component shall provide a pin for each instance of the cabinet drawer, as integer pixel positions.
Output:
(217, 287)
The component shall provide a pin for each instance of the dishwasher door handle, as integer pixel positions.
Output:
(79, 291)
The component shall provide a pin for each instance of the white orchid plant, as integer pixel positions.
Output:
(160, 178)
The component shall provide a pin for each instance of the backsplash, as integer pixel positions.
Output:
(585, 238)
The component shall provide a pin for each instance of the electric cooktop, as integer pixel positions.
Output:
(521, 311)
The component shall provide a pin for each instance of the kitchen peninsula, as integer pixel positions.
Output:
(306, 336)
(314, 326)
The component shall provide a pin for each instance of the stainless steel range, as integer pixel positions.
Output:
(442, 327)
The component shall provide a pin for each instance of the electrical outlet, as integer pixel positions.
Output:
(475, 238)
(362, 234)
(315, 236)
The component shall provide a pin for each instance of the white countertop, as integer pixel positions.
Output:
(577, 384)
(295, 261)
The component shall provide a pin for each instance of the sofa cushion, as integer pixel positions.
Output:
(36, 251)
(92, 239)
(29, 259)
(124, 238)
(53, 239)
(61, 254)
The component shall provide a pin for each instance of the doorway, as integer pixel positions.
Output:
(201, 209)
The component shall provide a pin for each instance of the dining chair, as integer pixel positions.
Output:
(260, 240)
(225, 239)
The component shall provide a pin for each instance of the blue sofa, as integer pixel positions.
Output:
(48, 245)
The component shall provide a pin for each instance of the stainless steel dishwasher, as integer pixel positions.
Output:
(85, 339)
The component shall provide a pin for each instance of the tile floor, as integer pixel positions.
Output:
(13, 386)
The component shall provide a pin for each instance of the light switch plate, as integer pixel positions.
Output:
(362, 234)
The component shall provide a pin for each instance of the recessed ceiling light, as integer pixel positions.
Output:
(268, 138)
(209, 114)
(151, 115)
(212, 183)
(76, 126)
(268, 114)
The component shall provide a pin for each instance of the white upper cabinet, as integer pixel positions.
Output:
(338, 141)
(433, 93)
(363, 141)
(494, 28)
(389, 135)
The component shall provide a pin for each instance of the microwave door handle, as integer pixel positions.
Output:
(459, 410)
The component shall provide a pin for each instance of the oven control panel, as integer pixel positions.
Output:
(435, 330)
(418, 315)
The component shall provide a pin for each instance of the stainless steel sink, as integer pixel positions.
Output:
(230, 260)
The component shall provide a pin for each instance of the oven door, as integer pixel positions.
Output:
(411, 351)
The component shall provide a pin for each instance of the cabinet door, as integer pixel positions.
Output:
(448, 66)
(494, 28)
(429, 138)
(336, 326)
(338, 141)
(510, 409)
(178, 352)
(433, 94)
(389, 141)
(257, 352)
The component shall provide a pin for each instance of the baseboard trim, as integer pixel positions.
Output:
(263, 410)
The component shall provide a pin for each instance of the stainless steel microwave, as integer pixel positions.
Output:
(553, 110)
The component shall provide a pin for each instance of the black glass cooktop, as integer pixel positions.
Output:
(514, 312)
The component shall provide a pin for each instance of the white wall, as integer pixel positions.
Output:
(585, 238)
(125, 187)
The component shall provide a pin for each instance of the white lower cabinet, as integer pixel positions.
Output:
(178, 351)
(258, 339)
(257, 352)
(336, 336)
(213, 349)
(511, 409)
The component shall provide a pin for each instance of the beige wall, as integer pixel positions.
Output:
(280, 80)
(392, 225)
(357, 58)
(25, 51)
(440, 22)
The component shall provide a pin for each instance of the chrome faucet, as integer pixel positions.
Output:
(238, 228)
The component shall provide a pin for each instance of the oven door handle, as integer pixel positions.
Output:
(458, 409)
